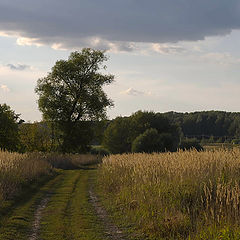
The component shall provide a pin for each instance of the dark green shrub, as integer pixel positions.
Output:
(121, 132)
(190, 143)
(151, 141)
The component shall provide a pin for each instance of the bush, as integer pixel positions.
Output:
(122, 132)
(151, 141)
(189, 144)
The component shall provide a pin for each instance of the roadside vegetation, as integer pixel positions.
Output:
(17, 170)
(182, 195)
(28, 179)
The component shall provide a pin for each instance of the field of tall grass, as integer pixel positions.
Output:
(182, 195)
(19, 170)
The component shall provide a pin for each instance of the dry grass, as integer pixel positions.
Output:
(71, 161)
(19, 169)
(181, 195)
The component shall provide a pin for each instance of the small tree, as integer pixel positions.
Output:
(72, 94)
(117, 136)
(9, 138)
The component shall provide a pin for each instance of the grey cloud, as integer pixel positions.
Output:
(72, 23)
(17, 67)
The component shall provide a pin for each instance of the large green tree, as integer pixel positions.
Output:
(72, 95)
(9, 138)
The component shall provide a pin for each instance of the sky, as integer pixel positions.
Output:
(166, 55)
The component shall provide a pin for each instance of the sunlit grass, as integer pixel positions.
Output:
(179, 195)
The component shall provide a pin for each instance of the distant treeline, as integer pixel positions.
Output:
(215, 126)
(141, 132)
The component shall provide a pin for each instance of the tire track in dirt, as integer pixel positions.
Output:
(37, 217)
(113, 232)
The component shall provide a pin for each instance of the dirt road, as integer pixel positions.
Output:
(66, 207)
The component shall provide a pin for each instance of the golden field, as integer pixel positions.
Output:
(182, 195)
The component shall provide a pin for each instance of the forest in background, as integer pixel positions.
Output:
(99, 136)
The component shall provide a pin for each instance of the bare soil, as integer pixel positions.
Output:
(37, 217)
(111, 229)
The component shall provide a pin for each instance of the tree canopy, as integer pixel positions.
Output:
(9, 138)
(124, 132)
(210, 125)
(72, 93)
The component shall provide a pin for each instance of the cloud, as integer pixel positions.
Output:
(115, 25)
(166, 48)
(134, 92)
(18, 67)
(24, 41)
(4, 88)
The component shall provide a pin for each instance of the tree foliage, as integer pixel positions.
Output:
(9, 138)
(151, 141)
(122, 132)
(72, 93)
(117, 136)
(211, 125)
(35, 136)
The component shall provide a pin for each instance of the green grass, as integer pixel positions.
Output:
(69, 214)
(17, 215)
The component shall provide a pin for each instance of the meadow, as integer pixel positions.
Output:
(182, 195)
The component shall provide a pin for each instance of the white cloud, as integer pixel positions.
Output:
(134, 92)
(25, 41)
(4, 88)
(167, 48)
